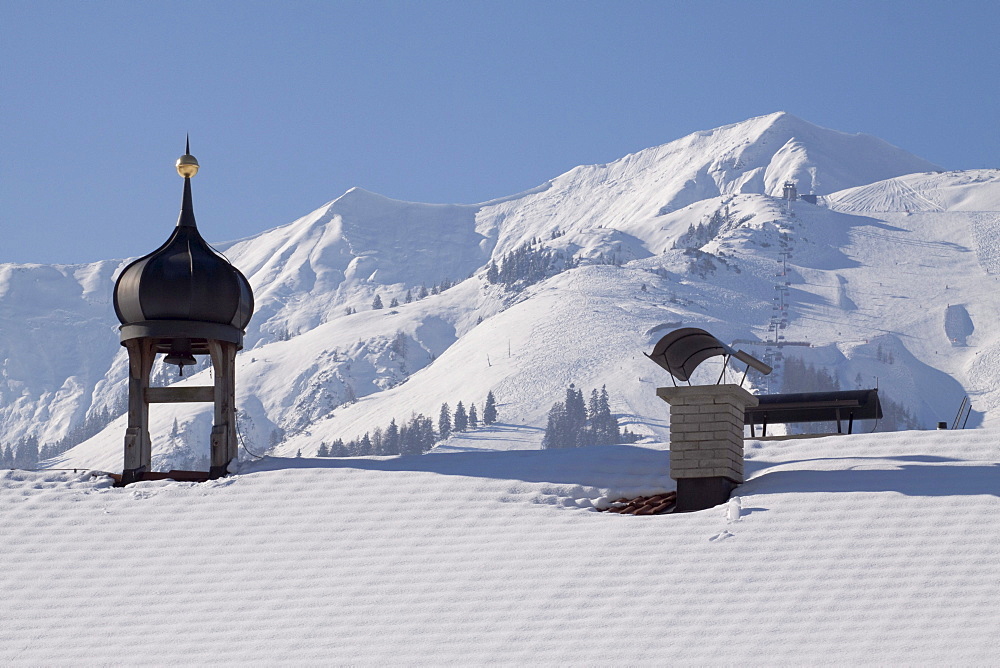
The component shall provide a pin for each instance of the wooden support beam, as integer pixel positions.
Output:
(138, 449)
(176, 395)
(224, 445)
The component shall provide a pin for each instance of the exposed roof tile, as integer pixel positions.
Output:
(657, 504)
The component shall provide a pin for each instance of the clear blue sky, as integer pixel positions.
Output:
(290, 104)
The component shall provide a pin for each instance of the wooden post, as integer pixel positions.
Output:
(138, 449)
(138, 445)
(224, 445)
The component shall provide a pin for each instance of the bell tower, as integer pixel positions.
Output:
(183, 299)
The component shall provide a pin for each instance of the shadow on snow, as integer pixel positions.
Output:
(917, 475)
(595, 466)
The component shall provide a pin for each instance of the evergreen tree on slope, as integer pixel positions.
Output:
(461, 418)
(490, 410)
(444, 421)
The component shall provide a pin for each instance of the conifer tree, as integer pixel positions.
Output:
(26, 455)
(444, 421)
(408, 437)
(398, 344)
(555, 433)
(604, 425)
(424, 435)
(390, 441)
(427, 434)
(338, 449)
(490, 410)
(377, 302)
(473, 417)
(576, 414)
(394, 303)
(323, 451)
(409, 297)
(461, 418)
(417, 436)
(571, 425)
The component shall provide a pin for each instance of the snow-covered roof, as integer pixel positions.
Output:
(865, 549)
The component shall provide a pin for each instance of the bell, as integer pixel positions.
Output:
(180, 354)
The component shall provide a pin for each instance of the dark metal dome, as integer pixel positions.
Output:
(184, 287)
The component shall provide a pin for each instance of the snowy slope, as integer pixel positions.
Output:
(972, 190)
(58, 338)
(309, 271)
(689, 221)
(754, 156)
(870, 297)
(846, 550)
(874, 548)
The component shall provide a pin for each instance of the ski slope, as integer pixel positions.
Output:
(971, 190)
(867, 293)
(874, 549)
(62, 371)
(687, 233)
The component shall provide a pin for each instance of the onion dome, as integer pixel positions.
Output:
(183, 289)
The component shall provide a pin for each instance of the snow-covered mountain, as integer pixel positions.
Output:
(876, 283)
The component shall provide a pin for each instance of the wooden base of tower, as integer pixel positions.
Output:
(138, 448)
(138, 445)
(224, 444)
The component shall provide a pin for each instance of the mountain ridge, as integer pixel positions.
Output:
(616, 221)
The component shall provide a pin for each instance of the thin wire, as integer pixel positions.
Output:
(84, 469)
(76, 470)
(244, 444)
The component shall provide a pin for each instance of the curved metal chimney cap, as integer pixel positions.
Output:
(682, 350)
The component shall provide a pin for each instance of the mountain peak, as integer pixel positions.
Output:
(308, 273)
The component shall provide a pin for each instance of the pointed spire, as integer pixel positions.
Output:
(187, 166)
(186, 219)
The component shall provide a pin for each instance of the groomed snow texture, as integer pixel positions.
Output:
(874, 549)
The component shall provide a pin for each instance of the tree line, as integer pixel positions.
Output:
(22, 455)
(415, 436)
(527, 264)
(421, 293)
(800, 376)
(572, 423)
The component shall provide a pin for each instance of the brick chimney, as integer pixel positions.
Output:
(706, 442)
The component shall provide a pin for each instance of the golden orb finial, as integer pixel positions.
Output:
(187, 164)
